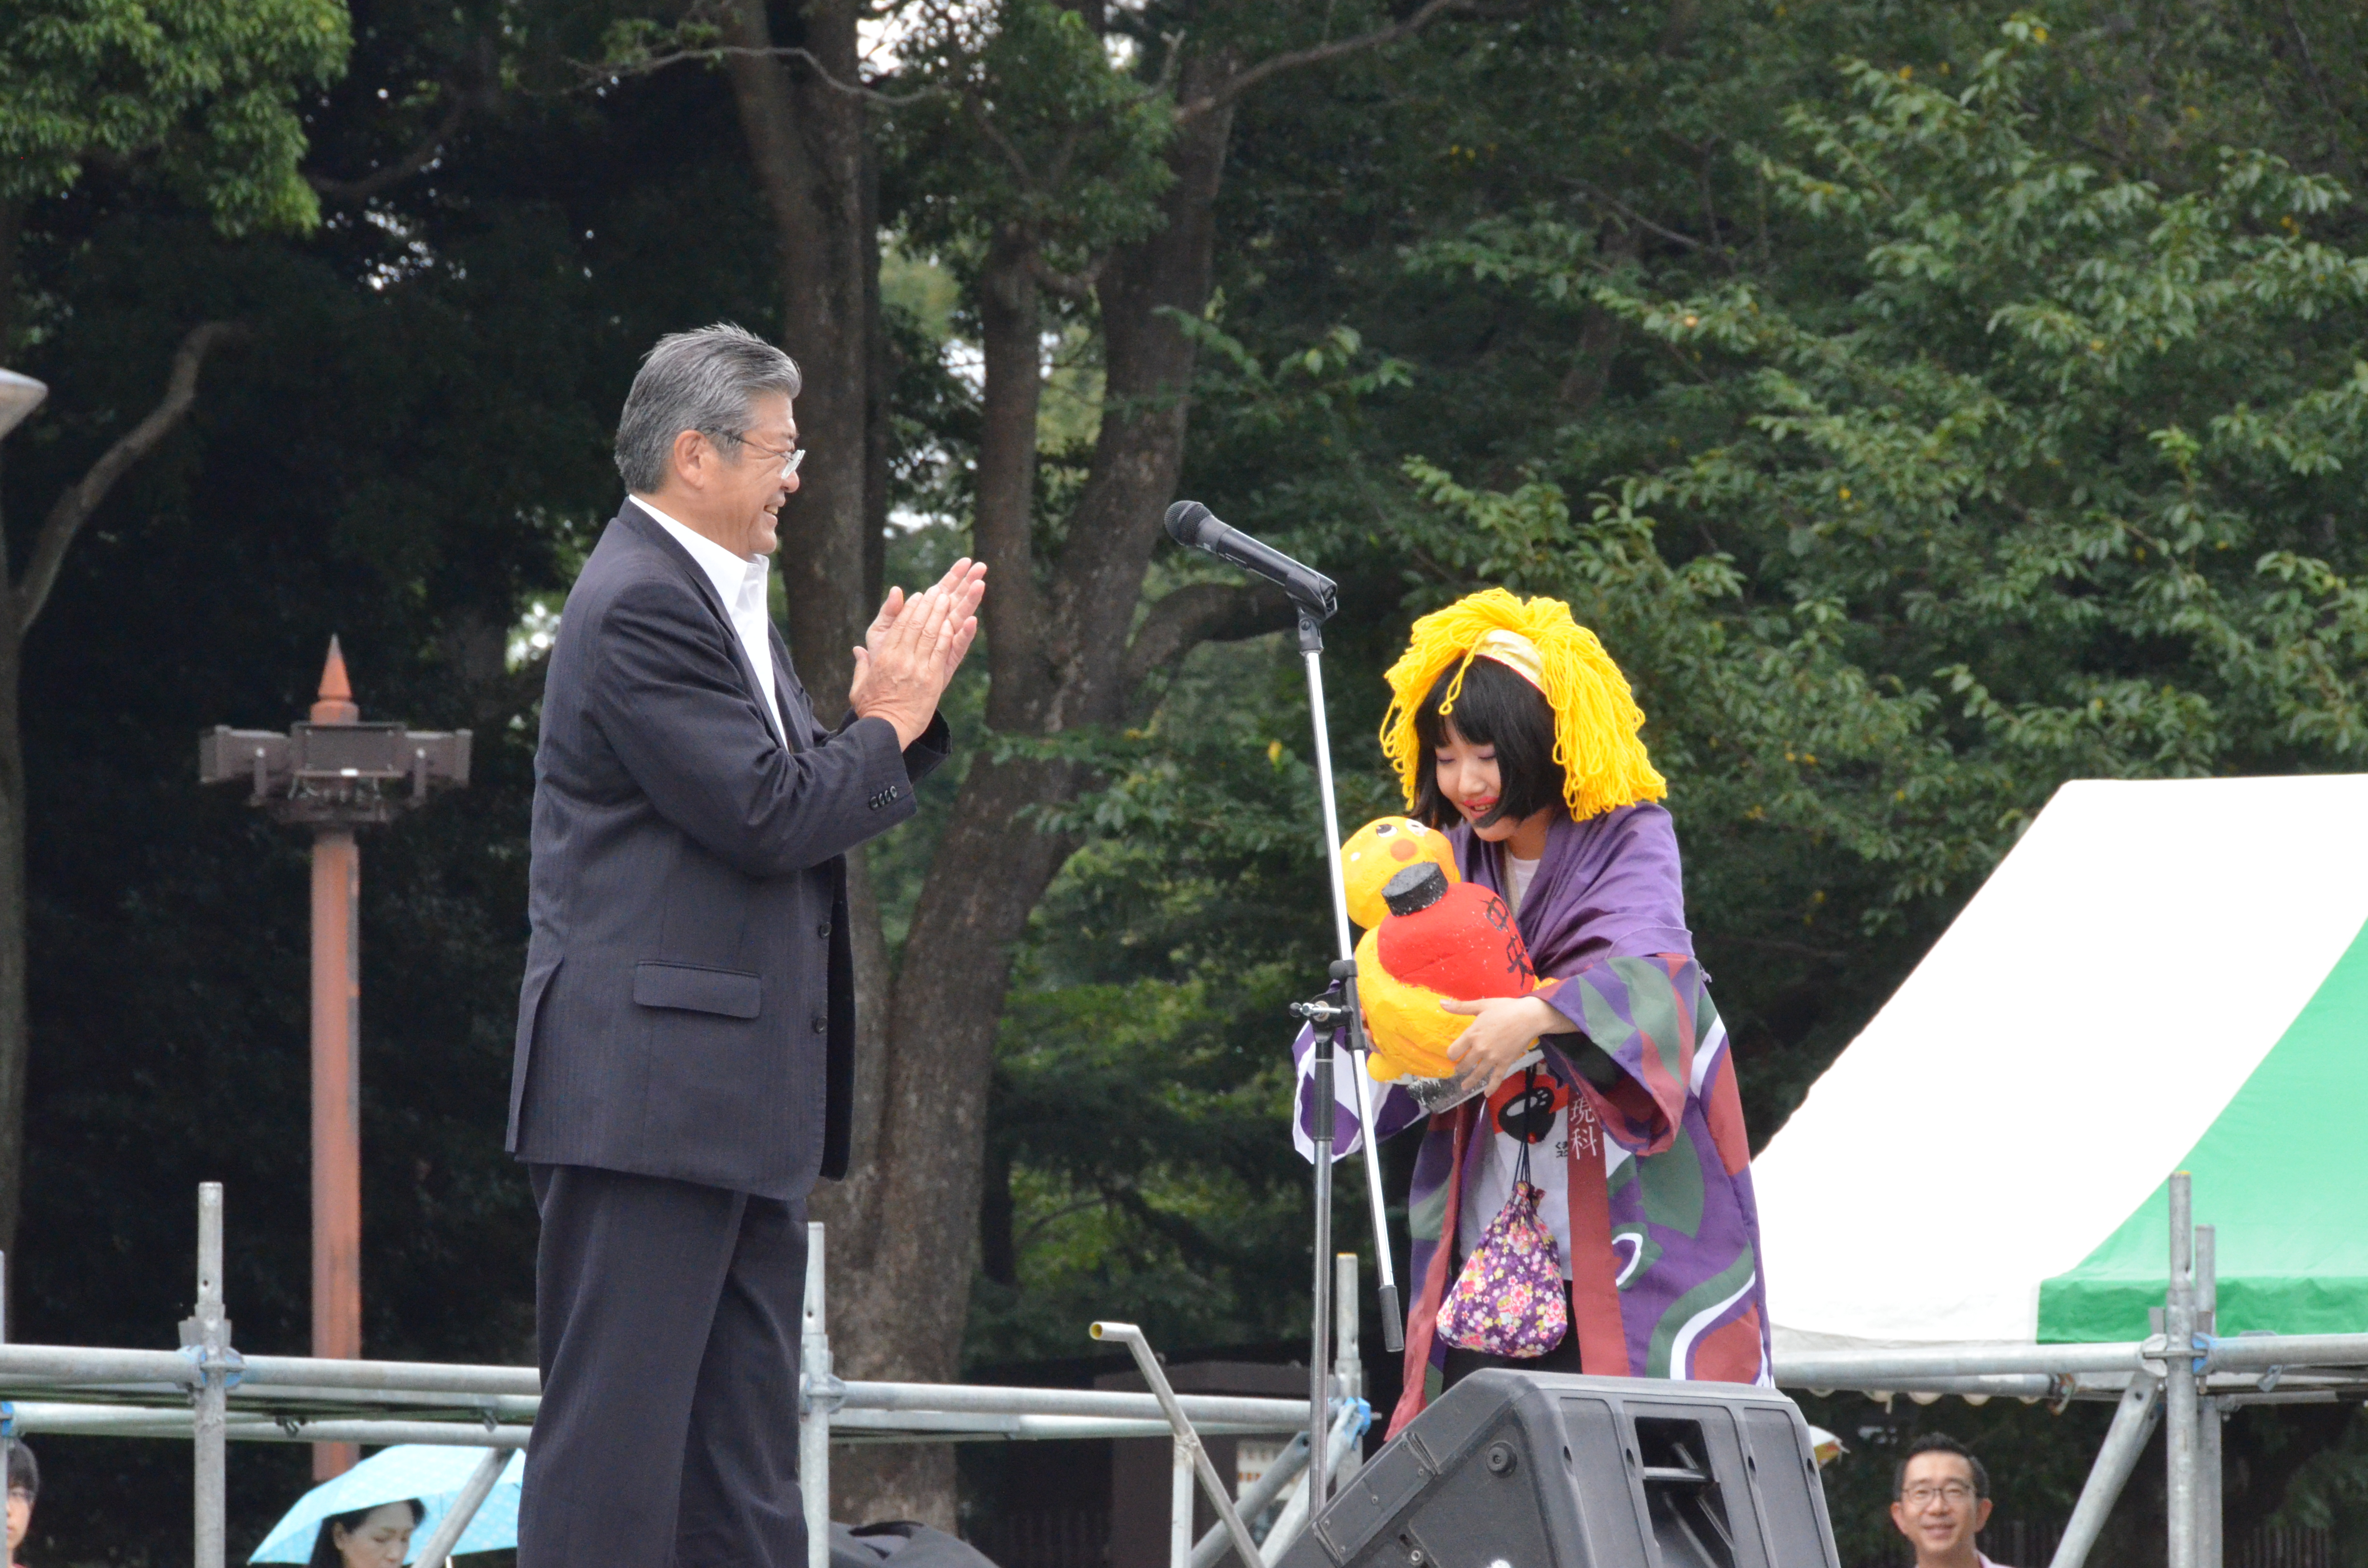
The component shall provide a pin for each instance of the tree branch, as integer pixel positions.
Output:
(1078, 285)
(1202, 612)
(596, 74)
(984, 124)
(1233, 86)
(74, 508)
(1622, 209)
(430, 148)
(474, 86)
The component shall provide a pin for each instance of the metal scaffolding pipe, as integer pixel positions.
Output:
(1180, 1454)
(1348, 1353)
(416, 1377)
(1189, 1450)
(1258, 1415)
(473, 1493)
(384, 1434)
(162, 1379)
(1278, 1475)
(1888, 1368)
(817, 1401)
(135, 1421)
(952, 1426)
(6, 1429)
(207, 1333)
(2208, 1415)
(1296, 1510)
(2126, 1440)
(297, 1400)
(2178, 1376)
(44, 1365)
(1997, 1385)
(2253, 1354)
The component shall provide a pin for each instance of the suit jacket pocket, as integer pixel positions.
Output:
(734, 994)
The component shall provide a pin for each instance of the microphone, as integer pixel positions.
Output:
(1191, 523)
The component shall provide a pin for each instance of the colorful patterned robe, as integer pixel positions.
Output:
(1674, 1289)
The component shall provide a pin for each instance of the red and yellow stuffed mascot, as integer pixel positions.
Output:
(1429, 937)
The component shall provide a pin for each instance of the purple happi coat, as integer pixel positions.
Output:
(1666, 1279)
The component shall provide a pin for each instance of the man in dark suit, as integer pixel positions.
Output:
(687, 1026)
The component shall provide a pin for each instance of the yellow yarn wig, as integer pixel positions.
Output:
(1596, 716)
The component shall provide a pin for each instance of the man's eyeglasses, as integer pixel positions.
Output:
(790, 459)
(1923, 1495)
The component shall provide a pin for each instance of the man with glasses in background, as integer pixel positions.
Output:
(1941, 1501)
(684, 1060)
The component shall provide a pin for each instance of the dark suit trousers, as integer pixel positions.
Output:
(668, 1316)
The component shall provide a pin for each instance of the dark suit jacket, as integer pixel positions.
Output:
(688, 1009)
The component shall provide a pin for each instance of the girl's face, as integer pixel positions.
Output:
(380, 1540)
(1468, 779)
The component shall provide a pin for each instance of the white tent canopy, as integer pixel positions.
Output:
(2069, 1041)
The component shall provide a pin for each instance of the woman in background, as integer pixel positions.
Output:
(368, 1538)
(1511, 728)
(24, 1491)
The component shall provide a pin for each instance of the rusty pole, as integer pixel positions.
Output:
(330, 776)
(337, 1079)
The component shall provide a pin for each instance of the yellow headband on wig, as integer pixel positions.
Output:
(1596, 716)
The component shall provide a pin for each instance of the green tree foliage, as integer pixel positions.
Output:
(207, 89)
(1921, 428)
(1889, 418)
(1018, 121)
(2055, 487)
(414, 442)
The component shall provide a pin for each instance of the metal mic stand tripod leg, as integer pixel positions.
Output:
(1311, 648)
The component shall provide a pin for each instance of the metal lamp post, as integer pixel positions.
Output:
(19, 395)
(333, 774)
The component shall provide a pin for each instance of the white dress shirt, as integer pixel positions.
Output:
(740, 582)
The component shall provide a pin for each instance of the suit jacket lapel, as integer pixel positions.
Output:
(797, 720)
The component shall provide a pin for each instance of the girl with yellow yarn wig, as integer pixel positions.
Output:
(1511, 728)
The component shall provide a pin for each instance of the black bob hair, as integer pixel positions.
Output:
(1496, 708)
(1940, 1443)
(324, 1545)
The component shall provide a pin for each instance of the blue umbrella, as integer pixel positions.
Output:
(432, 1472)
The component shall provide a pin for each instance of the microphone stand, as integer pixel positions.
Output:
(1314, 599)
(1344, 974)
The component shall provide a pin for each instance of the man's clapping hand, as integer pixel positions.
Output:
(912, 648)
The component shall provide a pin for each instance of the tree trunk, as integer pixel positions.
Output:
(16, 1034)
(806, 141)
(807, 144)
(1056, 656)
(16, 1041)
(1010, 342)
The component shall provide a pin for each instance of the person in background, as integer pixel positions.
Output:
(1942, 1500)
(368, 1538)
(24, 1491)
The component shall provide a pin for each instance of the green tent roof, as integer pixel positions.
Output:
(2160, 975)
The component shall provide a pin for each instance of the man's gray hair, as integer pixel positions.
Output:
(701, 381)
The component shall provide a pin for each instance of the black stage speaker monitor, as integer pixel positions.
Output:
(1530, 1470)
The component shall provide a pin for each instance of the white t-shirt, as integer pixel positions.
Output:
(1519, 874)
(1491, 1175)
(1499, 1157)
